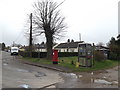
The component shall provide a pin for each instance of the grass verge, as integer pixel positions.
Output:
(66, 62)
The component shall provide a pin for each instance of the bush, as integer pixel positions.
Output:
(113, 56)
(67, 54)
(44, 54)
(99, 56)
(34, 54)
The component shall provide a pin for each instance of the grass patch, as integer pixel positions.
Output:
(98, 65)
(66, 62)
(37, 60)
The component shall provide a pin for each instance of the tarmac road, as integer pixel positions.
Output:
(18, 75)
(98, 79)
(0, 70)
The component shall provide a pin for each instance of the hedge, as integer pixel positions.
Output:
(113, 56)
(67, 54)
(44, 54)
(34, 54)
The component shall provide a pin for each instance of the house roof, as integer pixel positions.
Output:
(42, 46)
(101, 48)
(69, 45)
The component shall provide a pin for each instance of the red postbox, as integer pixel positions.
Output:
(55, 57)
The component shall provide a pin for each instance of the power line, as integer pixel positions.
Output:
(18, 36)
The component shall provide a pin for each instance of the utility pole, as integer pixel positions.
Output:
(13, 43)
(30, 39)
(80, 36)
(93, 52)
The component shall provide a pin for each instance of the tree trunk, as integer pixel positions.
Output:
(49, 44)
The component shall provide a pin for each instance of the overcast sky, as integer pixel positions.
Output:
(96, 20)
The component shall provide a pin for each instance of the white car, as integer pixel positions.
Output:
(14, 50)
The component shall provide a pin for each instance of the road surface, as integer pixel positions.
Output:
(18, 75)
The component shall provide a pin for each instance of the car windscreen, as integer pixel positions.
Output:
(14, 49)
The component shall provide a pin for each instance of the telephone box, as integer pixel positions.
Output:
(85, 54)
(55, 57)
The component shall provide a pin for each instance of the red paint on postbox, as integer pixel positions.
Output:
(55, 56)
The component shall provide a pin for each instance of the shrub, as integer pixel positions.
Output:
(113, 56)
(99, 56)
(67, 54)
(43, 54)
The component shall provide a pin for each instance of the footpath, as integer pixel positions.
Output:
(56, 67)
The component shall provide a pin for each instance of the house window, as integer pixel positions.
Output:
(72, 50)
(67, 50)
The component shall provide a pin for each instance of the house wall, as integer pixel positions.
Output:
(67, 49)
(60, 50)
(41, 50)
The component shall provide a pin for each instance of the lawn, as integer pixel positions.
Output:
(66, 62)
(97, 65)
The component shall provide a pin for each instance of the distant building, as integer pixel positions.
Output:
(42, 47)
(22, 48)
(68, 46)
(103, 49)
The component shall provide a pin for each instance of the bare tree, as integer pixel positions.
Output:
(48, 21)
